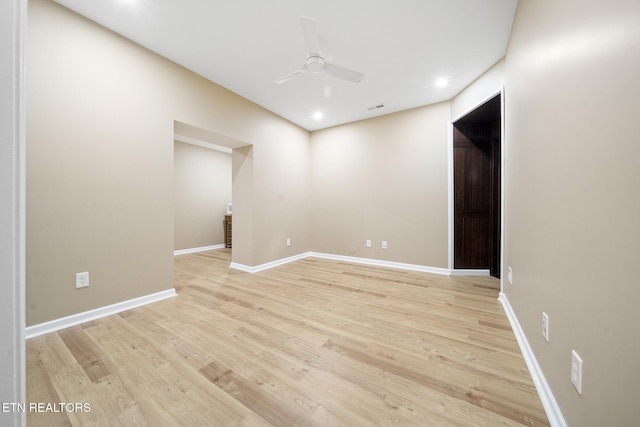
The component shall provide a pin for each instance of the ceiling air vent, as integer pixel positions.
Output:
(375, 107)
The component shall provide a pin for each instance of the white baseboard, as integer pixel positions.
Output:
(76, 319)
(381, 263)
(544, 391)
(200, 249)
(358, 260)
(268, 265)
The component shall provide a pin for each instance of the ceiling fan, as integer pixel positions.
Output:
(315, 63)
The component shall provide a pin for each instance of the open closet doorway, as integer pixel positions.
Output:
(477, 188)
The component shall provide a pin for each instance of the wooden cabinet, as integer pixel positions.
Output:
(227, 231)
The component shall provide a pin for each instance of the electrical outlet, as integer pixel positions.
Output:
(368, 243)
(576, 371)
(82, 279)
(384, 244)
(288, 241)
(545, 326)
(510, 275)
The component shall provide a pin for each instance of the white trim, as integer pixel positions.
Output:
(358, 260)
(503, 168)
(382, 263)
(450, 172)
(469, 272)
(268, 265)
(549, 402)
(76, 319)
(450, 190)
(13, 15)
(200, 249)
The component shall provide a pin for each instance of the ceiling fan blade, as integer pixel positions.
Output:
(310, 34)
(289, 76)
(343, 73)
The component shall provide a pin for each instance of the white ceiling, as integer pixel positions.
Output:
(401, 46)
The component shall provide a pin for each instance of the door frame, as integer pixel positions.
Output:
(13, 97)
(450, 170)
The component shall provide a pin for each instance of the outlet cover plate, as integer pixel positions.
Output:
(82, 279)
(545, 326)
(576, 371)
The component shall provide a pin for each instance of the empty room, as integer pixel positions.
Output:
(305, 213)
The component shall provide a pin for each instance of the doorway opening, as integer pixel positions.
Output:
(477, 188)
(204, 186)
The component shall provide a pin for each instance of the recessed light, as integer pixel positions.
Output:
(442, 82)
(317, 115)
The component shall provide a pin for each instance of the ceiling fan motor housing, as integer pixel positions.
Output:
(315, 64)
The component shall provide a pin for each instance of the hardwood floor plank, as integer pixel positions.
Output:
(171, 389)
(315, 342)
(40, 388)
(83, 351)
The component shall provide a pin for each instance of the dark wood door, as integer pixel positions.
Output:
(476, 150)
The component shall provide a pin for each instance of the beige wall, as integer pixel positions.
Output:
(282, 193)
(202, 189)
(477, 93)
(101, 114)
(387, 179)
(243, 191)
(572, 173)
(100, 163)
(383, 179)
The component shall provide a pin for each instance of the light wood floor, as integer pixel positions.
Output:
(311, 343)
